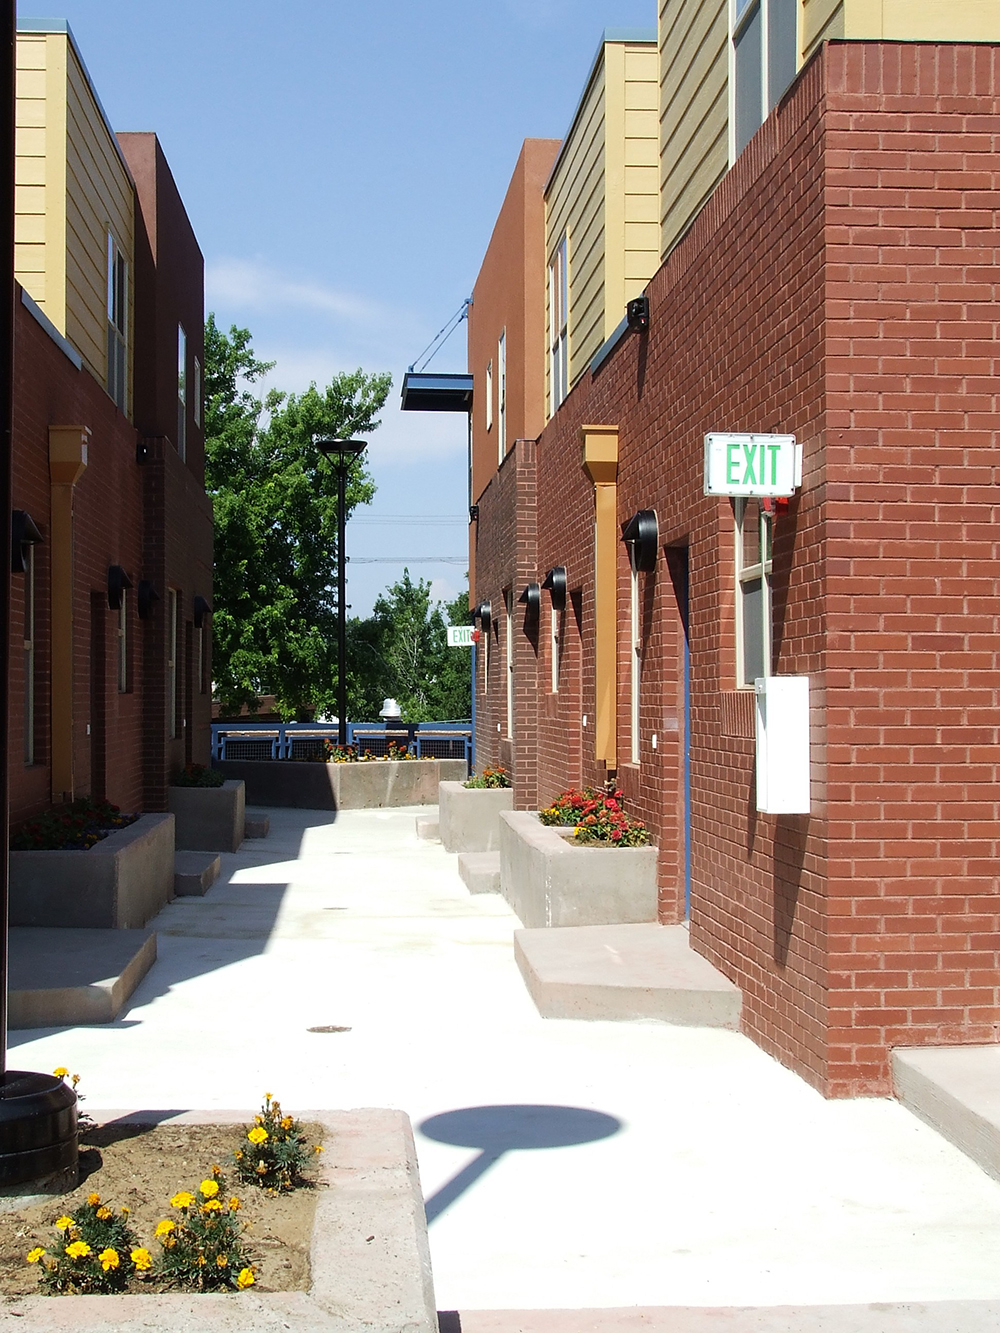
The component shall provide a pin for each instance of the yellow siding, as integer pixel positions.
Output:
(603, 196)
(98, 197)
(818, 21)
(923, 20)
(31, 169)
(694, 109)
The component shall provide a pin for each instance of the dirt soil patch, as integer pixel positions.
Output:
(140, 1167)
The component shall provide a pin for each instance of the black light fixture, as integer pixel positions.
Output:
(532, 599)
(637, 314)
(484, 614)
(201, 609)
(23, 534)
(118, 581)
(555, 582)
(642, 534)
(146, 598)
(473, 513)
(342, 453)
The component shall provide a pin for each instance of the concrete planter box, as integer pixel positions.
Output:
(549, 881)
(365, 786)
(117, 885)
(209, 819)
(469, 817)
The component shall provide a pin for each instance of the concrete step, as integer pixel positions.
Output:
(955, 1089)
(623, 972)
(427, 828)
(480, 871)
(65, 978)
(256, 826)
(195, 873)
(891, 1317)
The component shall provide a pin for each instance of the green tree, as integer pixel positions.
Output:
(275, 501)
(402, 651)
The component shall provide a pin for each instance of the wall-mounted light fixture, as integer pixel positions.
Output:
(473, 513)
(532, 600)
(642, 534)
(23, 534)
(201, 609)
(118, 581)
(637, 314)
(146, 598)
(555, 582)
(484, 614)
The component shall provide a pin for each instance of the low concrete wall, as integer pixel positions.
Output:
(117, 885)
(549, 881)
(469, 817)
(209, 819)
(363, 786)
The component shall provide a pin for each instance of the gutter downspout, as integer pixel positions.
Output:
(600, 462)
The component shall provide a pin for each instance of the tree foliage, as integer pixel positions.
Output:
(275, 501)
(401, 651)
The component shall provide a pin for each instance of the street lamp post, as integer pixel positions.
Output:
(341, 453)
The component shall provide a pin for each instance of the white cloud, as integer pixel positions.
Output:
(249, 285)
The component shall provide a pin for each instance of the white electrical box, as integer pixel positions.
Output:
(783, 745)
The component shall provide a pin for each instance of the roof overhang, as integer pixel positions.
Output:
(436, 393)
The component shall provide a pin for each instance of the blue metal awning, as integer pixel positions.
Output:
(436, 393)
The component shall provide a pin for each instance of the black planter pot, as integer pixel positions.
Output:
(38, 1133)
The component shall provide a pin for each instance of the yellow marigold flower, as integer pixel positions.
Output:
(257, 1135)
(267, 1096)
(182, 1200)
(142, 1259)
(64, 1223)
(126, 1212)
(109, 1259)
(258, 1119)
(104, 1213)
(234, 1204)
(287, 1122)
(261, 1168)
(165, 1227)
(317, 1147)
(78, 1250)
(60, 1071)
(211, 1206)
(93, 1200)
(245, 1278)
(222, 1260)
(238, 1154)
(75, 1080)
(209, 1188)
(201, 1261)
(34, 1255)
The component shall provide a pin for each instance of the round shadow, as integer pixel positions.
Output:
(499, 1129)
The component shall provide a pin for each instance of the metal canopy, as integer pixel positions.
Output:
(436, 393)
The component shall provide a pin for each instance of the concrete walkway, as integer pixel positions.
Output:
(635, 1164)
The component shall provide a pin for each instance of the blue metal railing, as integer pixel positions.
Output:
(303, 740)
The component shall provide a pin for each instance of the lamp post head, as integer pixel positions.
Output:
(347, 449)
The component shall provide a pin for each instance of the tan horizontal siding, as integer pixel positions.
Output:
(694, 101)
(31, 165)
(819, 20)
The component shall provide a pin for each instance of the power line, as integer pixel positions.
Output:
(408, 560)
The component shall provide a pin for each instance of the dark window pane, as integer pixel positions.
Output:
(749, 83)
(752, 594)
(781, 48)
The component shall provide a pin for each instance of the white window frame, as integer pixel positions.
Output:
(123, 643)
(741, 16)
(117, 326)
(200, 649)
(635, 655)
(196, 392)
(502, 397)
(555, 643)
(29, 655)
(508, 598)
(559, 325)
(173, 610)
(489, 395)
(758, 571)
(182, 395)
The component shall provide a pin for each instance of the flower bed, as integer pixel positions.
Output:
(78, 827)
(489, 779)
(597, 817)
(198, 775)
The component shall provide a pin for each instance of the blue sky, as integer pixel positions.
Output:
(342, 165)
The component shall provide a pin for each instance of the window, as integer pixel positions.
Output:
(173, 609)
(117, 328)
(753, 592)
(197, 393)
(502, 397)
(29, 656)
(636, 653)
(555, 644)
(559, 326)
(764, 62)
(508, 598)
(200, 650)
(123, 643)
(181, 391)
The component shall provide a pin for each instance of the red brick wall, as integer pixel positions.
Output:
(840, 284)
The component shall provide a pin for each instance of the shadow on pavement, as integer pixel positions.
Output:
(495, 1130)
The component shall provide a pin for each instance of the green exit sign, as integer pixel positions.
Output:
(460, 636)
(752, 464)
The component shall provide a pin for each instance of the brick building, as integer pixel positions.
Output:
(111, 661)
(837, 282)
